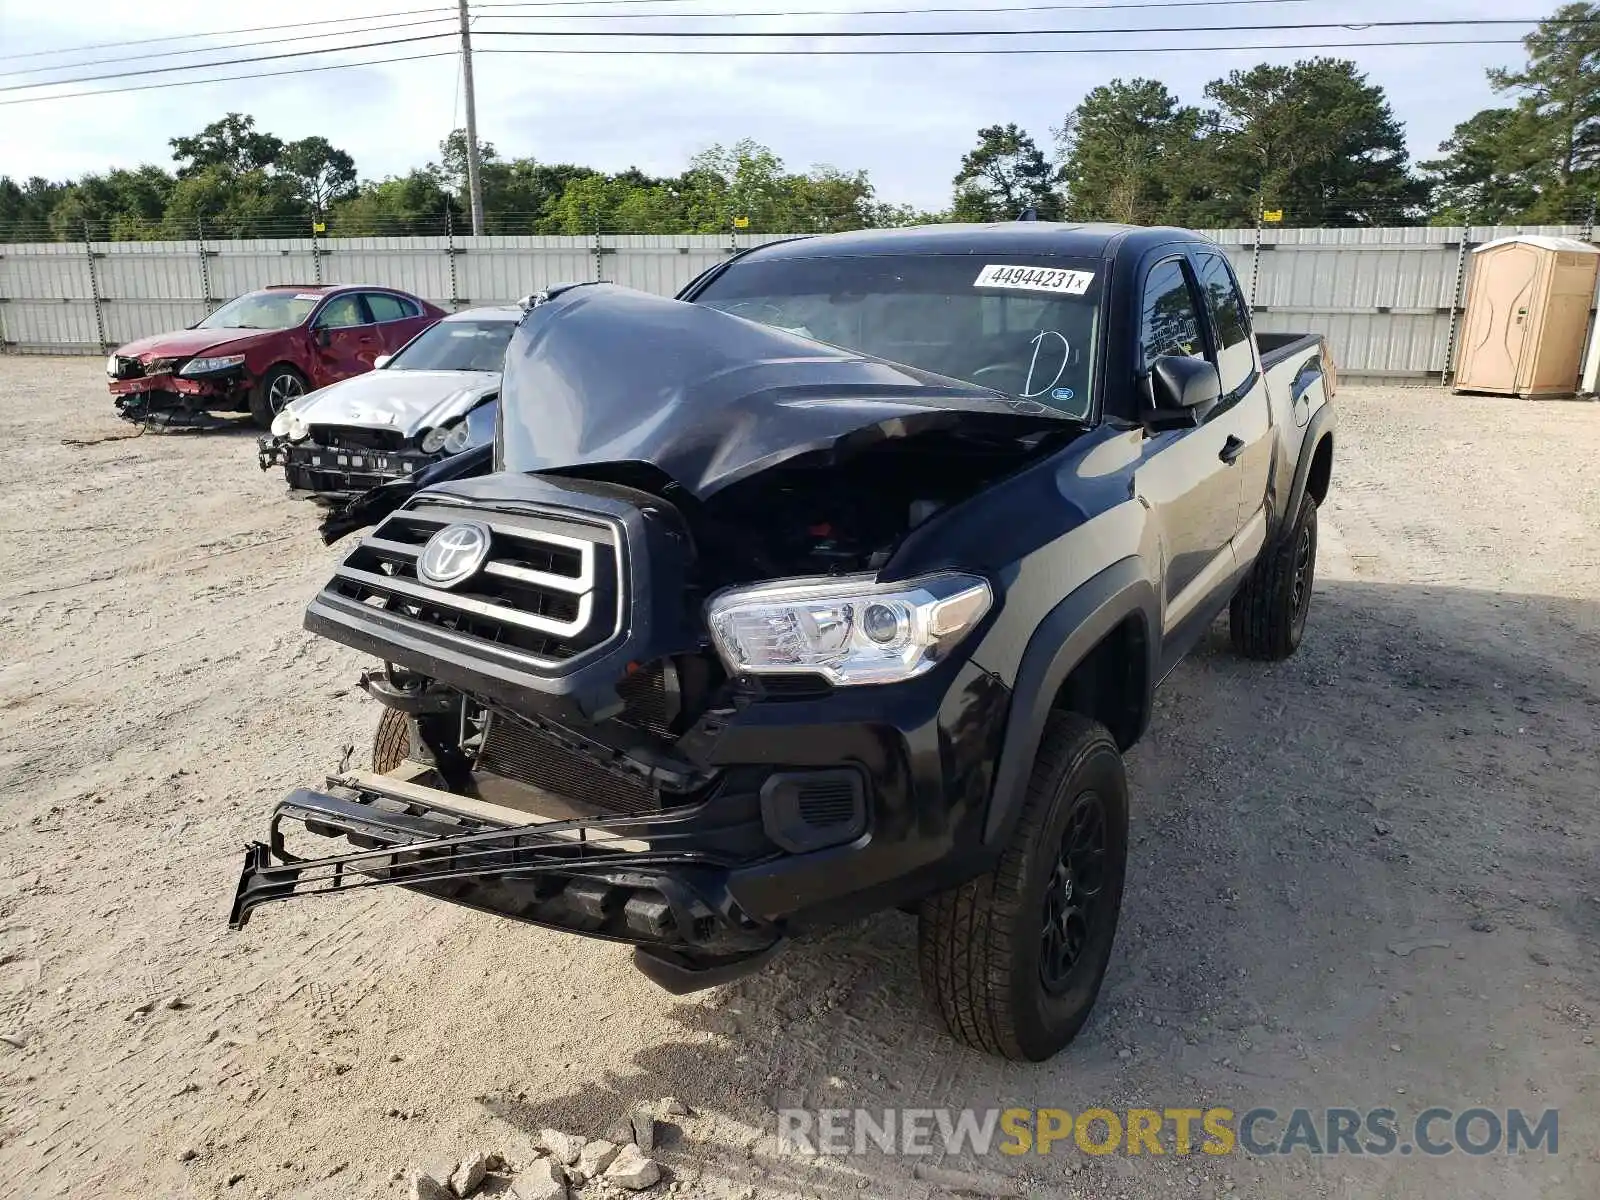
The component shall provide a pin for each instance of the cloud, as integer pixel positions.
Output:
(907, 120)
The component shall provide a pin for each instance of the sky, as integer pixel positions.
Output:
(906, 120)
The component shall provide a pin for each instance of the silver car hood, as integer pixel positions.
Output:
(407, 401)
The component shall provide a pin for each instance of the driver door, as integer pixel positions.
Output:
(347, 342)
(1185, 481)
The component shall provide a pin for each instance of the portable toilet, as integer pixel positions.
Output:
(1527, 316)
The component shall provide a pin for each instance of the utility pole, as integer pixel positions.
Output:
(474, 184)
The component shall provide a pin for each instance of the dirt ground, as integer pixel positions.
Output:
(1365, 877)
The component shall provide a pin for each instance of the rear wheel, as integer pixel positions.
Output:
(1013, 960)
(392, 742)
(1268, 614)
(276, 388)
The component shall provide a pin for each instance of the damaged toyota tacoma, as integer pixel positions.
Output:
(840, 583)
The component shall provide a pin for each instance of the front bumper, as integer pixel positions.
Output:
(656, 882)
(136, 398)
(336, 473)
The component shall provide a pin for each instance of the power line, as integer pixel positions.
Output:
(720, 34)
(227, 62)
(304, 37)
(1255, 27)
(779, 53)
(856, 12)
(254, 75)
(183, 37)
(812, 52)
(558, 16)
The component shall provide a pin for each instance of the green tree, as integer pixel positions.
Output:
(1489, 171)
(1558, 98)
(25, 208)
(1005, 174)
(1127, 153)
(747, 180)
(408, 204)
(1315, 139)
(231, 203)
(121, 205)
(322, 174)
(233, 143)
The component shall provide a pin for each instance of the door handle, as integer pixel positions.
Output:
(1231, 449)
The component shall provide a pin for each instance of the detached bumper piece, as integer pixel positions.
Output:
(340, 473)
(657, 882)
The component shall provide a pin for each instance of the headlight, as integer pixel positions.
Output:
(204, 366)
(850, 630)
(438, 438)
(459, 436)
(111, 366)
(289, 425)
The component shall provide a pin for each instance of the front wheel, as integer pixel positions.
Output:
(1267, 616)
(1013, 960)
(392, 741)
(276, 388)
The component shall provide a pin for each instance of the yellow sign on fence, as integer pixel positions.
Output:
(318, 227)
(1272, 215)
(741, 222)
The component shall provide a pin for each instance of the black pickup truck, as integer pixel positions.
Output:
(839, 583)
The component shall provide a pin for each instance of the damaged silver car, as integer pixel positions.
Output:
(434, 399)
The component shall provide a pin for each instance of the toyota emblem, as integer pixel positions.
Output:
(453, 554)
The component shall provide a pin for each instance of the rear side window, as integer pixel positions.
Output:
(341, 312)
(1229, 316)
(385, 307)
(1169, 323)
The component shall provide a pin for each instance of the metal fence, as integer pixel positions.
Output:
(1388, 299)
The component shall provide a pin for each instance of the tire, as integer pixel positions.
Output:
(392, 742)
(273, 390)
(985, 948)
(1268, 613)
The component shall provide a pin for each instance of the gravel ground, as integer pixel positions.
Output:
(1365, 877)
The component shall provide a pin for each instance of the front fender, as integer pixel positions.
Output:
(1060, 642)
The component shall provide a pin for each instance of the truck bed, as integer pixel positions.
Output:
(1276, 347)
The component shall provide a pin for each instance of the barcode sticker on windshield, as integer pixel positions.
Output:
(1035, 279)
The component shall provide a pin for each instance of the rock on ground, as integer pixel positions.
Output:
(425, 1187)
(631, 1169)
(595, 1157)
(541, 1181)
(563, 1147)
(468, 1175)
(644, 1129)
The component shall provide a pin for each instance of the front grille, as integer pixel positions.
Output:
(646, 702)
(340, 437)
(520, 752)
(548, 590)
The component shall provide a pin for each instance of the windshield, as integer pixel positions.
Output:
(263, 310)
(456, 346)
(1023, 325)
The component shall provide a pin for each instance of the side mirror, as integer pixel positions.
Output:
(1182, 391)
(381, 361)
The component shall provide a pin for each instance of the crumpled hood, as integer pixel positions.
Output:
(604, 374)
(185, 343)
(408, 401)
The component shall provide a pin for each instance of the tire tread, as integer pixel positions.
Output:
(965, 935)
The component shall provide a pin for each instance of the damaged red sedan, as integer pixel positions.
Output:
(260, 351)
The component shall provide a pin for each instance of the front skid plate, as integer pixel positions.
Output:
(497, 867)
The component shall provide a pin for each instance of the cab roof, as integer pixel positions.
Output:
(1002, 237)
